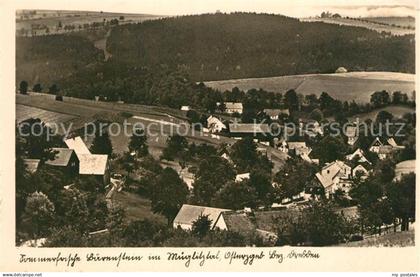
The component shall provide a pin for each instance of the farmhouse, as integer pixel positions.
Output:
(66, 160)
(90, 164)
(95, 165)
(232, 107)
(78, 145)
(31, 165)
(334, 176)
(384, 150)
(241, 177)
(358, 156)
(188, 214)
(298, 148)
(275, 113)
(215, 125)
(352, 134)
(239, 130)
(361, 171)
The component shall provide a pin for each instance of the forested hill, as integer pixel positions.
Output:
(241, 45)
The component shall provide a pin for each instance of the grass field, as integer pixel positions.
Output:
(404, 167)
(396, 111)
(136, 207)
(399, 239)
(25, 112)
(372, 24)
(51, 19)
(350, 86)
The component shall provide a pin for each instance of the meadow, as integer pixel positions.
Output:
(357, 86)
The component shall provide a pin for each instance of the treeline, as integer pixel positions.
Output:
(241, 45)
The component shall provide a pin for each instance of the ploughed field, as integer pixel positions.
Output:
(349, 86)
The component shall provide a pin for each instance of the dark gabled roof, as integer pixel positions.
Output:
(271, 221)
(238, 221)
(276, 112)
(62, 157)
(31, 164)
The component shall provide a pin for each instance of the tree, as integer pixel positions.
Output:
(138, 142)
(23, 87)
(168, 194)
(39, 213)
(37, 87)
(293, 178)
(76, 213)
(66, 236)
(384, 117)
(380, 99)
(317, 115)
(37, 139)
(201, 226)
(212, 174)
(101, 143)
(402, 197)
(175, 145)
(261, 182)
(236, 196)
(244, 154)
(53, 89)
(129, 163)
(330, 148)
(322, 225)
(291, 100)
(143, 233)
(397, 97)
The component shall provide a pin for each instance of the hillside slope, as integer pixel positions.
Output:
(242, 45)
(350, 86)
(48, 59)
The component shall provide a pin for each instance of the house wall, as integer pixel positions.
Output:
(182, 225)
(220, 223)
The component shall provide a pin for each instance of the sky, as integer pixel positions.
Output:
(294, 8)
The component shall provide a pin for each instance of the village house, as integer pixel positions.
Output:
(185, 108)
(311, 128)
(352, 134)
(384, 150)
(66, 160)
(90, 164)
(333, 176)
(358, 156)
(241, 177)
(215, 125)
(188, 214)
(232, 107)
(31, 165)
(274, 114)
(298, 148)
(360, 170)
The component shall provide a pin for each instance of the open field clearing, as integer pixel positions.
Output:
(136, 207)
(396, 111)
(350, 86)
(404, 167)
(372, 24)
(51, 19)
(399, 239)
(25, 112)
(159, 122)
